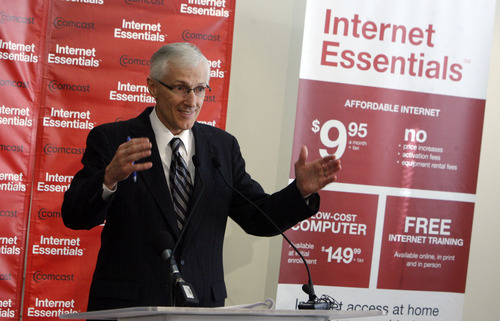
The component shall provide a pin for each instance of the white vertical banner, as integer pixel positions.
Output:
(396, 90)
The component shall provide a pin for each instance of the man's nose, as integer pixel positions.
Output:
(190, 99)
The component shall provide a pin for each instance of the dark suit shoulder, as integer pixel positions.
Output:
(121, 129)
(213, 134)
(208, 129)
(141, 119)
(112, 127)
(110, 133)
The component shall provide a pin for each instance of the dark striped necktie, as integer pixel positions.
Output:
(180, 183)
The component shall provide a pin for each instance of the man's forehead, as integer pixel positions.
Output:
(188, 74)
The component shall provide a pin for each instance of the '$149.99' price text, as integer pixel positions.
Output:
(342, 255)
(354, 130)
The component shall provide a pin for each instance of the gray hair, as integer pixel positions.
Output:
(182, 54)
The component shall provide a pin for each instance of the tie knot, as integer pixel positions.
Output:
(174, 144)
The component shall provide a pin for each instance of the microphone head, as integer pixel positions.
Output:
(196, 161)
(163, 241)
(216, 162)
(307, 289)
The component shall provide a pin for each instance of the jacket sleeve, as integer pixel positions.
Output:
(262, 214)
(83, 206)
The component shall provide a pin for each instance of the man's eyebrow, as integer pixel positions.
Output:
(184, 83)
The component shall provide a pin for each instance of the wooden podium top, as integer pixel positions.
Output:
(216, 314)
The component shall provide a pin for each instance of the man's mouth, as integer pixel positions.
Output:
(187, 111)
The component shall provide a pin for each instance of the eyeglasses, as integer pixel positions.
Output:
(183, 91)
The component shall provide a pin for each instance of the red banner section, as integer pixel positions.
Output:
(338, 238)
(21, 44)
(406, 138)
(427, 248)
(68, 66)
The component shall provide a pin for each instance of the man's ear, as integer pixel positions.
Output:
(152, 88)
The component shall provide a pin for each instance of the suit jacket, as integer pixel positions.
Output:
(129, 270)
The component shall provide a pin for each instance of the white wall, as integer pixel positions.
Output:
(483, 279)
(261, 114)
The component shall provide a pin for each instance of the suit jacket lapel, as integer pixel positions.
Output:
(204, 152)
(201, 171)
(154, 178)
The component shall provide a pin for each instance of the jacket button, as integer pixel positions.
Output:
(182, 262)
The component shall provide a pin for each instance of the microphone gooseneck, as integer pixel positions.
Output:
(307, 288)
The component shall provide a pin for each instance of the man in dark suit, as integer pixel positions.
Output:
(126, 183)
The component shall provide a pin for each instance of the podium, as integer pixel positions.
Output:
(217, 314)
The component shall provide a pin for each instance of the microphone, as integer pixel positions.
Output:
(163, 243)
(312, 303)
(181, 292)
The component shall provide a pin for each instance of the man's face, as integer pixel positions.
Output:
(176, 112)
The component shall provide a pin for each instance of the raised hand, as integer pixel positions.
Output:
(313, 176)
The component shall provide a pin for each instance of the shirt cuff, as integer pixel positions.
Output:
(312, 201)
(106, 192)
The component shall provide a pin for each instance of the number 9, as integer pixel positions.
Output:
(340, 142)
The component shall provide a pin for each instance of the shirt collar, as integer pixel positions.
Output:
(164, 135)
